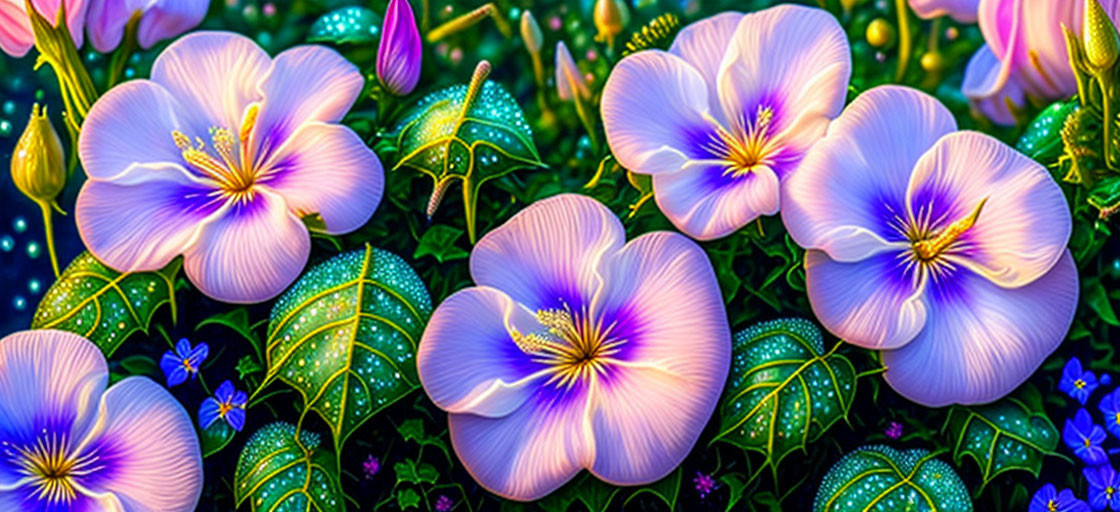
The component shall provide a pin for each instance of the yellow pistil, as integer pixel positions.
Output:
(930, 247)
(746, 147)
(573, 344)
(50, 470)
(230, 164)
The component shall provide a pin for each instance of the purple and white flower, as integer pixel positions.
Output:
(16, 37)
(724, 116)
(219, 158)
(963, 11)
(577, 351)
(68, 443)
(946, 250)
(158, 20)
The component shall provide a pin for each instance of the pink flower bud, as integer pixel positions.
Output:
(399, 52)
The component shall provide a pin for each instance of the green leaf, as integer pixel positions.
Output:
(138, 364)
(104, 305)
(1097, 299)
(413, 430)
(882, 479)
(236, 320)
(354, 25)
(409, 471)
(281, 471)
(1002, 436)
(408, 498)
(1042, 139)
(439, 241)
(345, 334)
(216, 437)
(247, 366)
(667, 489)
(736, 484)
(783, 391)
(471, 133)
(1105, 195)
(595, 494)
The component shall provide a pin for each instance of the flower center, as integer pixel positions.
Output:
(928, 245)
(576, 346)
(49, 469)
(1079, 384)
(1052, 506)
(746, 146)
(229, 163)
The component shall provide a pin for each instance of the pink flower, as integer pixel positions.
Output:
(894, 430)
(159, 20)
(399, 51)
(963, 11)
(16, 37)
(704, 484)
(371, 466)
(728, 112)
(218, 157)
(68, 443)
(577, 351)
(1025, 55)
(946, 250)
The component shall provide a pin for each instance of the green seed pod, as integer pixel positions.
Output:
(38, 163)
(1102, 44)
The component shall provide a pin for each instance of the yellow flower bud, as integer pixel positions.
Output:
(610, 18)
(880, 33)
(933, 62)
(531, 32)
(1102, 44)
(38, 163)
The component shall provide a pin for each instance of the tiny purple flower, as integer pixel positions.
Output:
(444, 504)
(1048, 499)
(1077, 383)
(1104, 487)
(371, 466)
(1110, 407)
(399, 52)
(704, 484)
(894, 430)
(227, 403)
(1085, 438)
(184, 362)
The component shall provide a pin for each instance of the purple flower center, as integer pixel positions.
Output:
(575, 346)
(50, 468)
(230, 163)
(746, 145)
(930, 242)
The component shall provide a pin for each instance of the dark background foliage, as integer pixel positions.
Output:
(759, 267)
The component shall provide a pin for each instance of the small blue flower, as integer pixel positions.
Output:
(1077, 383)
(183, 362)
(227, 403)
(1104, 487)
(1085, 438)
(1048, 499)
(1110, 407)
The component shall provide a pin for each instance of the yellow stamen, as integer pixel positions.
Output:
(574, 345)
(230, 164)
(50, 469)
(929, 248)
(747, 146)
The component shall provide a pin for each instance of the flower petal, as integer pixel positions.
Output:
(327, 169)
(874, 303)
(250, 253)
(105, 23)
(981, 341)
(16, 37)
(468, 361)
(546, 255)
(655, 140)
(1024, 223)
(142, 219)
(1027, 39)
(650, 409)
(49, 382)
(532, 451)
(963, 11)
(148, 447)
(305, 84)
(847, 197)
(702, 44)
(108, 146)
(990, 87)
(793, 59)
(166, 19)
(706, 204)
(216, 73)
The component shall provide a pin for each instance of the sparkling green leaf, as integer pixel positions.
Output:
(104, 305)
(283, 472)
(472, 133)
(783, 390)
(1002, 436)
(215, 437)
(345, 334)
(354, 24)
(881, 479)
(1042, 139)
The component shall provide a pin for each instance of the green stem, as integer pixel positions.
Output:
(123, 52)
(1106, 105)
(904, 38)
(588, 122)
(48, 226)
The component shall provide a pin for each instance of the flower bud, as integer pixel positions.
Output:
(38, 163)
(880, 33)
(531, 32)
(1102, 45)
(399, 52)
(569, 80)
(610, 17)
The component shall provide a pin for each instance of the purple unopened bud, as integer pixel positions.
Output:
(399, 52)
